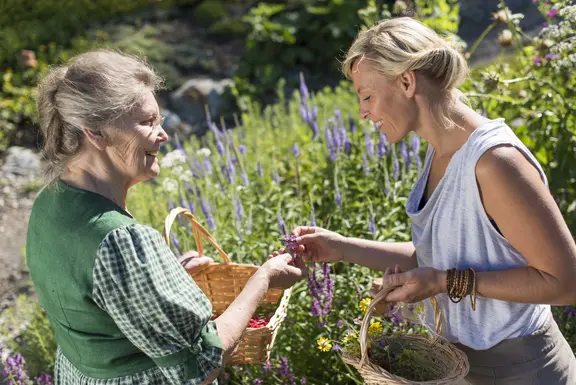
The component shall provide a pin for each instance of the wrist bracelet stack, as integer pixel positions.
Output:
(460, 284)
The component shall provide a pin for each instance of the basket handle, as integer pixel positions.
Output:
(438, 320)
(198, 231)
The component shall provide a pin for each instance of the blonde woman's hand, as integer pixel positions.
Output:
(316, 244)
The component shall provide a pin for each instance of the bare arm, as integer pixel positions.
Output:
(518, 201)
(380, 255)
(232, 323)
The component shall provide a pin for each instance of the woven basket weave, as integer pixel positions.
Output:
(223, 282)
(449, 364)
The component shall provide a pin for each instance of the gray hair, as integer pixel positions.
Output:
(92, 90)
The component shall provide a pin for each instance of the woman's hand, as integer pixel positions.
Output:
(283, 270)
(193, 262)
(319, 245)
(415, 285)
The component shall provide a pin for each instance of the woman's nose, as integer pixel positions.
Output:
(162, 135)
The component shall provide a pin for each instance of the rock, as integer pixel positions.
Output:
(21, 161)
(190, 99)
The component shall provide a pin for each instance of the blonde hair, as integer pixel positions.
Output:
(395, 46)
(92, 90)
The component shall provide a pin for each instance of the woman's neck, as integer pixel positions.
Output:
(93, 175)
(447, 140)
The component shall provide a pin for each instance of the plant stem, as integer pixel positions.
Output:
(480, 38)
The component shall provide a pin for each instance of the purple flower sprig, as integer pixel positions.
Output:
(14, 370)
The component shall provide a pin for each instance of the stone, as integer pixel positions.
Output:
(21, 161)
(190, 99)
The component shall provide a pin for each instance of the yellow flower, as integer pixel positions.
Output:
(375, 328)
(364, 304)
(324, 344)
(350, 336)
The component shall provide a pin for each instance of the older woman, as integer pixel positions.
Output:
(123, 309)
(484, 224)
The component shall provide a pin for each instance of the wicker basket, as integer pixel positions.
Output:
(449, 364)
(223, 282)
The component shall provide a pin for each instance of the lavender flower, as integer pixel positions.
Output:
(303, 88)
(395, 164)
(343, 141)
(217, 138)
(284, 370)
(206, 211)
(275, 176)
(14, 370)
(281, 224)
(382, 145)
(338, 196)
(175, 242)
(238, 208)
(242, 149)
(244, 177)
(537, 60)
(44, 379)
(352, 125)
(372, 224)
(365, 165)
(259, 169)
(331, 144)
(369, 144)
(336, 348)
(339, 323)
(296, 150)
(257, 381)
(303, 380)
(404, 153)
(416, 150)
(267, 366)
(571, 311)
(312, 216)
(304, 113)
(207, 165)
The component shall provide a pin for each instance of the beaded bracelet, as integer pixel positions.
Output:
(461, 283)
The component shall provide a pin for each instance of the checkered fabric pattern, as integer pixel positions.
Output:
(156, 304)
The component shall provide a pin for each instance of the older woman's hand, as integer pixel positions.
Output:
(415, 285)
(193, 262)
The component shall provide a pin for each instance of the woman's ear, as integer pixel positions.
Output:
(95, 138)
(408, 83)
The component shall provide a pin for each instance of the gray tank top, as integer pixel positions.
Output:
(452, 230)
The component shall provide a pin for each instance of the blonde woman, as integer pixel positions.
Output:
(484, 225)
(123, 309)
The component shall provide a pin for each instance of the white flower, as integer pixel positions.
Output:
(186, 176)
(204, 151)
(170, 185)
(177, 170)
(173, 158)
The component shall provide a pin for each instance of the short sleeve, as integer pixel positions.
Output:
(156, 304)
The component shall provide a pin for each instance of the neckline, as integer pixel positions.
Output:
(426, 173)
(77, 190)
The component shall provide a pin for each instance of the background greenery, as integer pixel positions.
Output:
(307, 157)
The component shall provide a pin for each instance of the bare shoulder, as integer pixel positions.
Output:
(506, 165)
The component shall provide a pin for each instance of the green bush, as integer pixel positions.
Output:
(209, 12)
(228, 29)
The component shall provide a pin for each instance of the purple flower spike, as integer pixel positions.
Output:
(382, 145)
(552, 13)
(296, 150)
